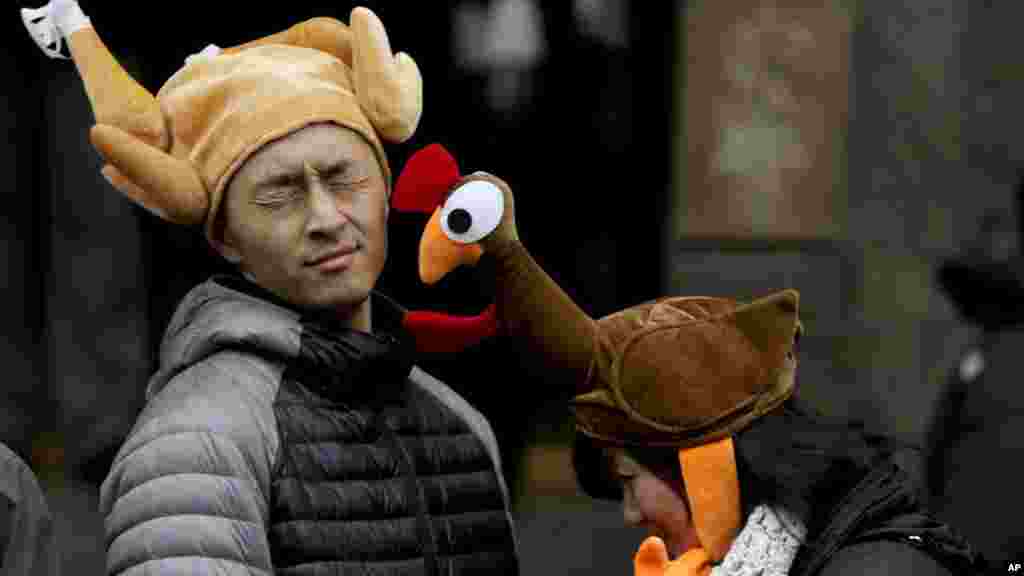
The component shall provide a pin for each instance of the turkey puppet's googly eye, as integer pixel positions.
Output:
(472, 211)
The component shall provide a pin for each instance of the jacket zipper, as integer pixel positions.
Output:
(428, 545)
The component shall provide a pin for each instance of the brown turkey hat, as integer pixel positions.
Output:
(678, 372)
(685, 371)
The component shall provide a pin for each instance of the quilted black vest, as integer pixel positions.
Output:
(376, 476)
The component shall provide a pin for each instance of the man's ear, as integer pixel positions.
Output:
(227, 251)
(223, 242)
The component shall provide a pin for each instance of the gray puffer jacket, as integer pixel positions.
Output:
(277, 443)
(28, 545)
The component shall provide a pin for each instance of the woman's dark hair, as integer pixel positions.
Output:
(804, 461)
(791, 456)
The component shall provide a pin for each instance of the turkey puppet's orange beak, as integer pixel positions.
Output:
(439, 254)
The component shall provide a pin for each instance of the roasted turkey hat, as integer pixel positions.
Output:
(175, 153)
(685, 373)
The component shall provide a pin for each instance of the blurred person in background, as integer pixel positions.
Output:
(976, 440)
(287, 428)
(27, 543)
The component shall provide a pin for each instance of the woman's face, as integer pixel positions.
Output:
(655, 503)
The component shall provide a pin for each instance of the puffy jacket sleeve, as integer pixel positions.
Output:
(28, 545)
(188, 492)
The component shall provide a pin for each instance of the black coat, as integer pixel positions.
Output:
(977, 445)
(976, 440)
(881, 526)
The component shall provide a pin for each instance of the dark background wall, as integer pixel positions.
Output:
(595, 156)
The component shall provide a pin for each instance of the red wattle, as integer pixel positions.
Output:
(437, 332)
(425, 180)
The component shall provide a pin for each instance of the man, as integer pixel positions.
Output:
(27, 545)
(287, 430)
(976, 430)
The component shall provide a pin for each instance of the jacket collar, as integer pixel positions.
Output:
(387, 314)
(329, 358)
(340, 363)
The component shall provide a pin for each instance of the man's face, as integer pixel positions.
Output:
(305, 217)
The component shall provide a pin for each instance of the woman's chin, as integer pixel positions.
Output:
(675, 548)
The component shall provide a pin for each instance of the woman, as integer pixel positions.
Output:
(685, 410)
(807, 491)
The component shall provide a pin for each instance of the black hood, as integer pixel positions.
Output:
(985, 282)
(986, 292)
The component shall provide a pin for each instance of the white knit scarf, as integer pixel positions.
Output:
(765, 546)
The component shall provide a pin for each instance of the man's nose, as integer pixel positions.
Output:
(325, 216)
